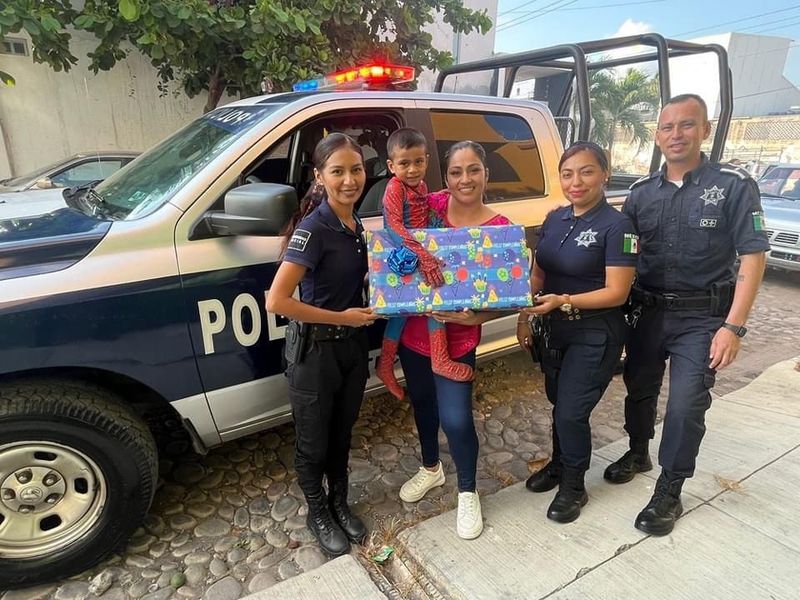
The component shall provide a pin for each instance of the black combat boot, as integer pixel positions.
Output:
(320, 522)
(664, 508)
(571, 495)
(635, 460)
(337, 501)
(547, 478)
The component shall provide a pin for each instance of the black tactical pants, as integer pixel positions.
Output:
(575, 381)
(685, 338)
(325, 390)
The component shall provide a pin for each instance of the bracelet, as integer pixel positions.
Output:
(526, 321)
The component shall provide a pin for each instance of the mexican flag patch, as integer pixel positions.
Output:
(630, 245)
(758, 220)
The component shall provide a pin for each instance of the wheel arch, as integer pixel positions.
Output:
(144, 401)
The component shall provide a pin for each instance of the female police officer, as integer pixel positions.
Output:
(584, 267)
(327, 354)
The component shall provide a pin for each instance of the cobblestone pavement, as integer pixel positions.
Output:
(233, 522)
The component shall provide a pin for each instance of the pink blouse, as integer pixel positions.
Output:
(461, 339)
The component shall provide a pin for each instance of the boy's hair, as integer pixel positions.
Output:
(405, 138)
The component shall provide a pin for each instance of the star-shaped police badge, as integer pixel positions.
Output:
(712, 195)
(586, 238)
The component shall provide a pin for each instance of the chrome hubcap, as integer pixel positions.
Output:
(50, 496)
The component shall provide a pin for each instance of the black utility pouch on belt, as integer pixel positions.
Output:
(297, 337)
(535, 347)
(721, 299)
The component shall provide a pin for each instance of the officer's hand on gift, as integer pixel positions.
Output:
(545, 304)
(463, 317)
(431, 270)
(724, 348)
(359, 317)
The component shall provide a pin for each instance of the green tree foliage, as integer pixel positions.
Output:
(621, 103)
(216, 45)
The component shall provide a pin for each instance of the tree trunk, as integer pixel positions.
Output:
(216, 86)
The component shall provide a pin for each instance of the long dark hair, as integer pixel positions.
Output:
(316, 194)
(581, 146)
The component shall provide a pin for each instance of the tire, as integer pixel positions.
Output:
(78, 472)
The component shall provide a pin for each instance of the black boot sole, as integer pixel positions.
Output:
(662, 529)
(569, 518)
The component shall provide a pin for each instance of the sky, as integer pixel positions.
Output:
(529, 24)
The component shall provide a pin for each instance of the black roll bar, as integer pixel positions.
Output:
(579, 67)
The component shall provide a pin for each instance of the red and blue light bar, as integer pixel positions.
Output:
(370, 74)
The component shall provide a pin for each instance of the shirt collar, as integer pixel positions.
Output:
(587, 216)
(693, 175)
(330, 219)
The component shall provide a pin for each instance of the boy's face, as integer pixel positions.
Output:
(409, 164)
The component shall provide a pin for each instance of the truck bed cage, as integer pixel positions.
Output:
(556, 57)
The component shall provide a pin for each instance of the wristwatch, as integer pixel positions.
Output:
(567, 306)
(738, 330)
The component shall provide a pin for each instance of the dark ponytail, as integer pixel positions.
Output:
(316, 194)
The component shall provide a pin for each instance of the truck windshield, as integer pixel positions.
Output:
(151, 180)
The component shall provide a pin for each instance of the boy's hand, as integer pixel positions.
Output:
(431, 270)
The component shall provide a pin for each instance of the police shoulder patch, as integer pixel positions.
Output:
(630, 244)
(299, 240)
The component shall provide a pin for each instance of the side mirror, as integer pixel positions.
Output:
(254, 209)
(45, 183)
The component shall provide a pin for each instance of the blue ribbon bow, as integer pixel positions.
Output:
(402, 261)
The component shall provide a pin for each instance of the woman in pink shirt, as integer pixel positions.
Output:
(438, 400)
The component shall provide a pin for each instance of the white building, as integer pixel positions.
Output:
(757, 63)
(48, 116)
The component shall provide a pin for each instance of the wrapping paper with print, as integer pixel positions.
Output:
(484, 268)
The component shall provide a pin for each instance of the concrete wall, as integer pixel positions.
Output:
(50, 115)
(465, 48)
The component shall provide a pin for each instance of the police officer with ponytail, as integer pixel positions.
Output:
(326, 340)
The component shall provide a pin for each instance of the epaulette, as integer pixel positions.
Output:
(642, 180)
(734, 170)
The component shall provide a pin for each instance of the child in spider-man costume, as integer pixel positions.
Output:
(405, 206)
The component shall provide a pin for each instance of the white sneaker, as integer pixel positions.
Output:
(470, 521)
(420, 484)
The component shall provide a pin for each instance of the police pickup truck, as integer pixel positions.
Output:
(145, 295)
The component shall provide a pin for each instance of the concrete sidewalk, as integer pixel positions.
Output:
(739, 537)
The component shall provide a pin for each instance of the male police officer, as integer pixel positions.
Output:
(693, 217)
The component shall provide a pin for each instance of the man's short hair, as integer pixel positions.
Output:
(405, 138)
(686, 97)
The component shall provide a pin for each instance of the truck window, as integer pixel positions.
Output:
(512, 155)
(289, 161)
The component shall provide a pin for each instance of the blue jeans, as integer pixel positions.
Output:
(438, 400)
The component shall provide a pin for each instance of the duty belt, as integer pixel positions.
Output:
(322, 333)
(673, 301)
(577, 314)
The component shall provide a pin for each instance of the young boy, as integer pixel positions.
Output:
(405, 206)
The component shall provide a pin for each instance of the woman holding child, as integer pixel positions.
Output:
(437, 399)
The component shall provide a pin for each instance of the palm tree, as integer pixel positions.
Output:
(622, 103)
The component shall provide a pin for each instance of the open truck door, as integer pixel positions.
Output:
(562, 76)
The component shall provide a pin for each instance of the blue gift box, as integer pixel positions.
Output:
(484, 268)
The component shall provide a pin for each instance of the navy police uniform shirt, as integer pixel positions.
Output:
(574, 251)
(690, 235)
(335, 256)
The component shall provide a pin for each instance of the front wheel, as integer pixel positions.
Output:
(77, 476)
